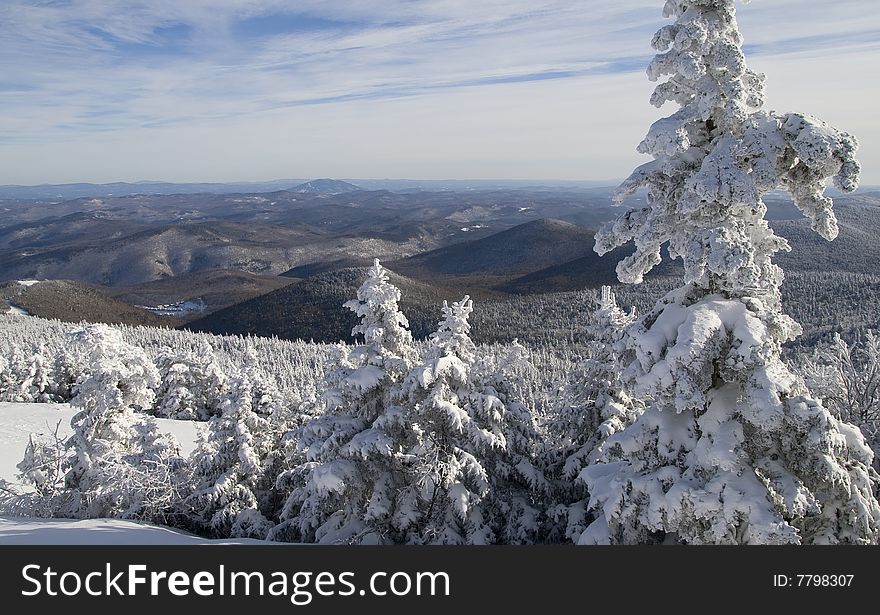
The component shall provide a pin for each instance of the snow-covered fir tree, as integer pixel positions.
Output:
(70, 369)
(119, 463)
(593, 406)
(517, 500)
(445, 497)
(267, 399)
(6, 379)
(12, 373)
(846, 377)
(473, 479)
(39, 381)
(733, 448)
(192, 386)
(229, 468)
(346, 488)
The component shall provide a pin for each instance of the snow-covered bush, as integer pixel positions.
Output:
(733, 447)
(846, 377)
(117, 463)
(43, 467)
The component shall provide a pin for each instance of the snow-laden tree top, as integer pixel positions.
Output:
(609, 319)
(453, 336)
(383, 325)
(716, 156)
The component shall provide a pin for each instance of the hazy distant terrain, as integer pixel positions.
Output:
(281, 262)
(131, 240)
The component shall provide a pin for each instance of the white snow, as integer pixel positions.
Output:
(26, 531)
(28, 282)
(17, 421)
(181, 308)
(19, 311)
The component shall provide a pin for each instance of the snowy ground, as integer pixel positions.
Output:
(15, 310)
(17, 422)
(17, 531)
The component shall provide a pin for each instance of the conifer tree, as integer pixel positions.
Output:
(38, 383)
(346, 489)
(516, 502)
(228, 468)
(6, 380)
(267, 399)
(471, 452)
(444, 502)
(594, 406)
(192, 386)
(733, 447)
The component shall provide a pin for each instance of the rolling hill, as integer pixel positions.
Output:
(510, 253)
(217, 289)
(312, 308)
(75, 302)
(173, 250)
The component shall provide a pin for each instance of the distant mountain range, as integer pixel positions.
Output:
(117, 189)
(79, 190)
(283, 262)
(131, 240)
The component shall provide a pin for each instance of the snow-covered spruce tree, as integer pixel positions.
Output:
(517, 500)
(14, 368)
(345, 490)
(282, 414)
(228, 468)
(733, 448)
(267, 398)
(847, 379)
(38, 384)
(449, 481)
(119, 463)
(593, 406)
(193, 384)
(473, 480)
(70, 370)
(7, 380)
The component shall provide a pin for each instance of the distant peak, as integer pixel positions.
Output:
(326, 186)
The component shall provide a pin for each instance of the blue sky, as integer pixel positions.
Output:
(214, 90)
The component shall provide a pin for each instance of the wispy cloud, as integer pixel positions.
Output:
(102, 75)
